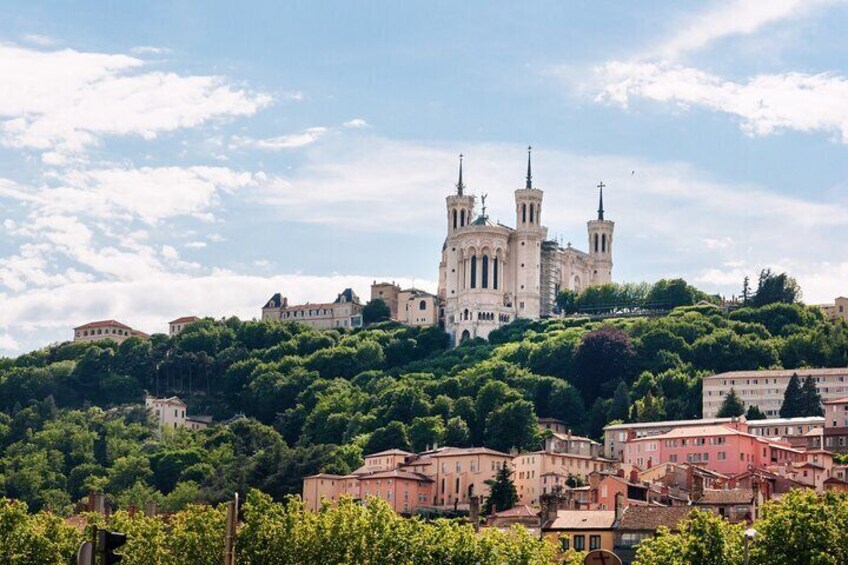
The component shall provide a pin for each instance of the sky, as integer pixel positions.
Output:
(161, 159)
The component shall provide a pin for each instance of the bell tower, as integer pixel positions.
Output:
(600, 243)
(527, 256)
(460, 206)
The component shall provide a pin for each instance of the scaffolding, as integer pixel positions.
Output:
(549, 284)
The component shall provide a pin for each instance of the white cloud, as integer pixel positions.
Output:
(195, 244)
(731, 18)
(149, 50)
(355, 123)
(766, 103)
(38, 39)
(62, 102)
(718, 242)
(292, 141)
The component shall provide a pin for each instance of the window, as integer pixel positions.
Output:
(524, 213)
(462, 218)
(485, 271)
(422, 305)
(564, 542)
(473, 271)
(532, 213)
(580, 542)
(495, 274)
(454, 219)
(594, 542)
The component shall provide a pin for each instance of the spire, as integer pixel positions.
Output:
(529, 174)
(459, 185)
(601, 186)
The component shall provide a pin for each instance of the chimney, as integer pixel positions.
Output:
(100, 503)
(619, 506)
(697, 491)
(620, 473)
(90, 504)
(634, 476)
(150, 509)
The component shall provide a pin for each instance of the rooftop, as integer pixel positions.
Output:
(667, 423)
(838, 371)
(522, 511)
(582, 520)
(726, 496)
(102, 324)
(649, 518)
(184, 320)
(389, 452)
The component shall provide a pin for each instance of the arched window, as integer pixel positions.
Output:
(473, 271)
(465, 314)
(495, 274)
(454, 219)
(524, 213)
(539, 214)
(532, 213)
(462, 218)
(422, 305)
(465, 336)
(604, 243)
(596, 243)
(485, 276)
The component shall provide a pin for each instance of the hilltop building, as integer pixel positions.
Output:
(839, 308)
(175, 327)
(344, 312)
(106, 329)
(491, 273)
(171, 413)
(411, 306)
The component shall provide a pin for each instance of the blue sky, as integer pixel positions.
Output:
(160, 159)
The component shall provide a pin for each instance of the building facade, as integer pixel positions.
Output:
(839, 308)
(106, 329)
(411, 306)
(175, 327)
(765, 389)
(490, 273)
(344, 312)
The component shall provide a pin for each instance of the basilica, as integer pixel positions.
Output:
(491, 274)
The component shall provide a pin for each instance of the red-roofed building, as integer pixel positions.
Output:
(175, 327)
(106, 329)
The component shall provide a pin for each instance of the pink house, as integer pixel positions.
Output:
(727, 449)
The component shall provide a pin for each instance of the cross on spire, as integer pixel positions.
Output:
(529, 174)
(459, 185)
(601, 186)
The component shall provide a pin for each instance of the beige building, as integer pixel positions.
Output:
(765, 389)
(106, 329)
(344, 312)
(412, 306)
(175, 327)
(839, 308)
(581, 530)
(491, 274)
(171, 413)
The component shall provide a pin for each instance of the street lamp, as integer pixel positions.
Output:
(750, 534)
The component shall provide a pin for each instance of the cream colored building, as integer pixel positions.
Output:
(344, 312)
(412, 306)
(765, 389)
(491, 274)
(839, 308)
(106, 329)
(168, 412)
(175, 327)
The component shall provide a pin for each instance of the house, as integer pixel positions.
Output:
(105, 329)
(175, 327)
(523, 515)
(636, 523)
(581, 530)
(735, 505)
(344, 312)
(171, 413)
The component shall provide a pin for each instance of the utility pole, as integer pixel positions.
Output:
(230, 535)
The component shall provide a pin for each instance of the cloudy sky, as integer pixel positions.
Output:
(160, 159)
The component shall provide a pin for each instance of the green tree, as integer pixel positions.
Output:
(392, 436)
(754, 413)
(375, 311)
(773, 288)
(732, 406)
(502, 492)
(512, 425)
(457, 433)
(566, 301)
(620, 408)
(811, 400)
(604, 356)
(426, 431)
(793, 399)
(704, 539)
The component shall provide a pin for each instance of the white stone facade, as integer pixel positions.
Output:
(344, 312)
(491, 274)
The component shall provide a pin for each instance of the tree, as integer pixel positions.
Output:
(392, 436)
(793, 400)
(732, 406)
(673, 293)
(457, 433)
(773, 288)
(502, 493)
(620, 408)
(704, 539)
(375, 311)
(754, 413)
(566, 301)
(746, 290)
(603, 356)
(425, 432)
(811, 400)
(512, 425)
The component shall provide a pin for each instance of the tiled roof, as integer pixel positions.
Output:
(667, 424)
(390, 452)
(522, 511)
(398, 474)
(582, 520)
(728, 496)
(184, 320)
(780, 373)
(457, 451)
(103, 324)
(649, 518)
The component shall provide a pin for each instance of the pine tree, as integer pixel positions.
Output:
(810, 398)
(754, 413)
(620, 409)
(502, 495)
(793, 405)
(732, 406)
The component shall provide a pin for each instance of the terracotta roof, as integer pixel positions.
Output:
(397, 474)
(837, 401)
(184, 320)
(522, 511)
(170, 400)
(582, 520)
(457, 451)
(728, 496)
(389, 452)
(649, 518)
(779, 373)
(103, 323)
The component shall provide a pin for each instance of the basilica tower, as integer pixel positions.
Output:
(526, 256)
(600, 243)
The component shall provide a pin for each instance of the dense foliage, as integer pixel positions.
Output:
(316, 401)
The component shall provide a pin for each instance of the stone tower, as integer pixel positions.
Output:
(600, 243)
(527, 254)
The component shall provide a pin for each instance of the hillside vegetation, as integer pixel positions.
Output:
(318, 400)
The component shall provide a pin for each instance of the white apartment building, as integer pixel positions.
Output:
(106, 329)
(765, 389)
(344, 312)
